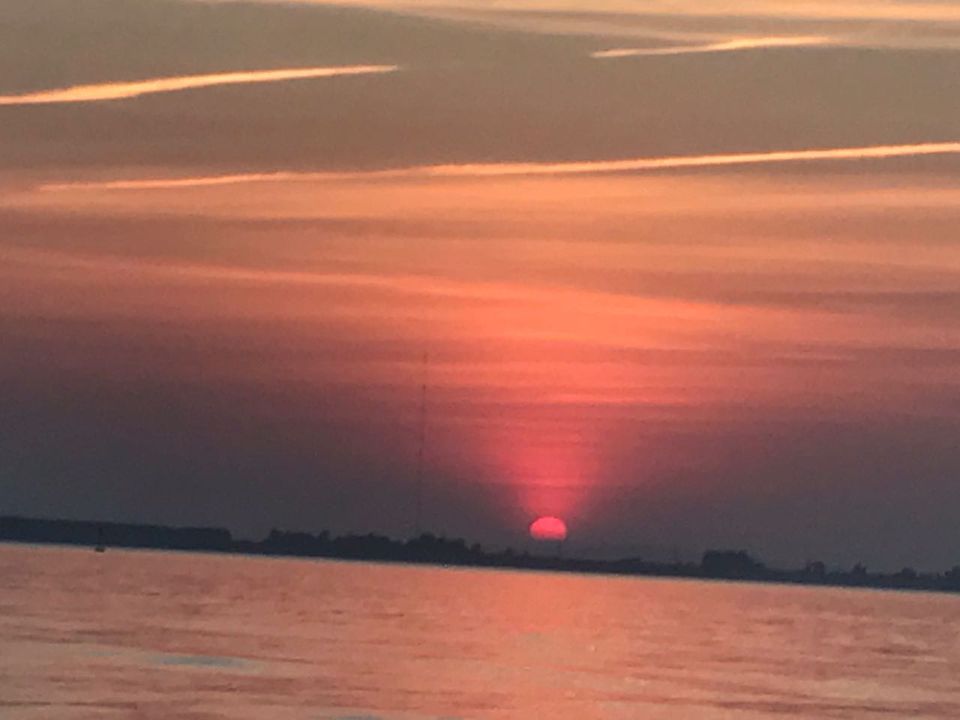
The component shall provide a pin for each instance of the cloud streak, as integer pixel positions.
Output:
(125, 90)
(867, 10)
(479, 170)
(736, 45)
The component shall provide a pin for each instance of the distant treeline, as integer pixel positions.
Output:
(429, 549)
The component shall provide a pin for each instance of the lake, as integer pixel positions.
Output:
(139, 634)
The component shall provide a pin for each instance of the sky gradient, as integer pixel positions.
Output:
(685, 278)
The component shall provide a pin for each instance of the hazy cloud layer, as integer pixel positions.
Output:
(531, 98)
(594, 341)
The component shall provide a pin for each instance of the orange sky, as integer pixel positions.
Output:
(671, 318)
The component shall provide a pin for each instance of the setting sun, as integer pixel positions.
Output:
(548, 528)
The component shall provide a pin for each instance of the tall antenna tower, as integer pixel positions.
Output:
(418, 524)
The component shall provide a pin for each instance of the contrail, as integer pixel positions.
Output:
(532, 169)
(691, 161)
(727, 46)
(124, 90)
(190, 182)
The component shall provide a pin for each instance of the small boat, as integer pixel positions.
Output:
(100, 547)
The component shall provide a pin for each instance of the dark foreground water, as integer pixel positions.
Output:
(167, 635)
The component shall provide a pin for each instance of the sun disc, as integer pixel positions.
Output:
(548, 528)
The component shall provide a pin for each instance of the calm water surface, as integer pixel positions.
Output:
(166, 635)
